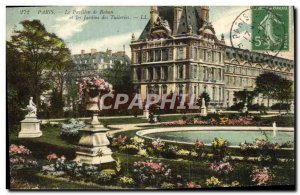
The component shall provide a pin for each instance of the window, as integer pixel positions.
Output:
(158, 73)
(180, 71)
(164, 89)
(204, 55)
(150, 71)
(195, 71)
(138, 74)
(156, 89)
(110, 61)
(165, 73)
(102, 60)
(204, 73)
(220, 57)
(180, 53)
(164, 54)
(212, 56)
(150, 56)
(195, 53)
(157, 55)
(93, 60)
(180, 89)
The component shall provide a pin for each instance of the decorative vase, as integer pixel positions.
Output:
(92, 101)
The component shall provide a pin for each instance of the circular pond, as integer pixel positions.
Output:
(233, 134)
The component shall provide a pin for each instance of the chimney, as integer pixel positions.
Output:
(108, 52)
(93, 51)
(153, 14)
(82, 51)
(204, 11)
(177, 16)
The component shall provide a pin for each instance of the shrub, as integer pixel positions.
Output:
(221, 167)
(213, 182)
(219, 146)
(150, 173)
(170, 151)
(119, 141)
(69, 131)
(166, 185)
(260, 176)
(20, 158)
(137, 141)
(183, 152)
(106, 175)
(126, 181)
(130, 149)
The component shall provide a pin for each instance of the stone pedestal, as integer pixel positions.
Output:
(203, 111)
(93, 144)
(146, 114)
(30, 127)
(292, 107)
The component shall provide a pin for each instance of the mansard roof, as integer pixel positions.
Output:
(256, 57)
(190, 16)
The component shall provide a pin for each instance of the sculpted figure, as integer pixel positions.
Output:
(31, 107)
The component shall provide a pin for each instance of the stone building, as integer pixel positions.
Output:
(95, 63)
(179, 52)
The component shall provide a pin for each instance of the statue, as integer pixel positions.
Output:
(161, 25)
(30, 126)
(31, 108)
(203, 103)
(203, 108)
(292, 107)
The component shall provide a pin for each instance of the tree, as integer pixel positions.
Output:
(206, 97)
(43, 54)
(120, 78)
(284, 91)
(266, 84)
(242, 95)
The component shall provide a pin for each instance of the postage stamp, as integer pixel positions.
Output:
(262, 28)
(270, 28)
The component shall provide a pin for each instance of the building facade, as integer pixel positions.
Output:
(96, 63)
(179, 52)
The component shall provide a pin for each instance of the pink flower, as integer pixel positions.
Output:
(52, 156)
(260, 176)
(14, 149)
(221, 167)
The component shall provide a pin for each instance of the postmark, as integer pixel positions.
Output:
(263, 29)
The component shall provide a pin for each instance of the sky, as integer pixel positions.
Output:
(110, 33)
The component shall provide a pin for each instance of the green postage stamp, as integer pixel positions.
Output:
(271, 28)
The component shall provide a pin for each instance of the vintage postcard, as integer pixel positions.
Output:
(150, 97)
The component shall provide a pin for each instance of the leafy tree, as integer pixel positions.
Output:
(284, 91)
(43, 54)
(206, 97)
(242, 95)
(266, 84)
(274, 86)
(120, 78)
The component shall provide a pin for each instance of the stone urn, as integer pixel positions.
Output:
(92, 99)
(92, 146)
